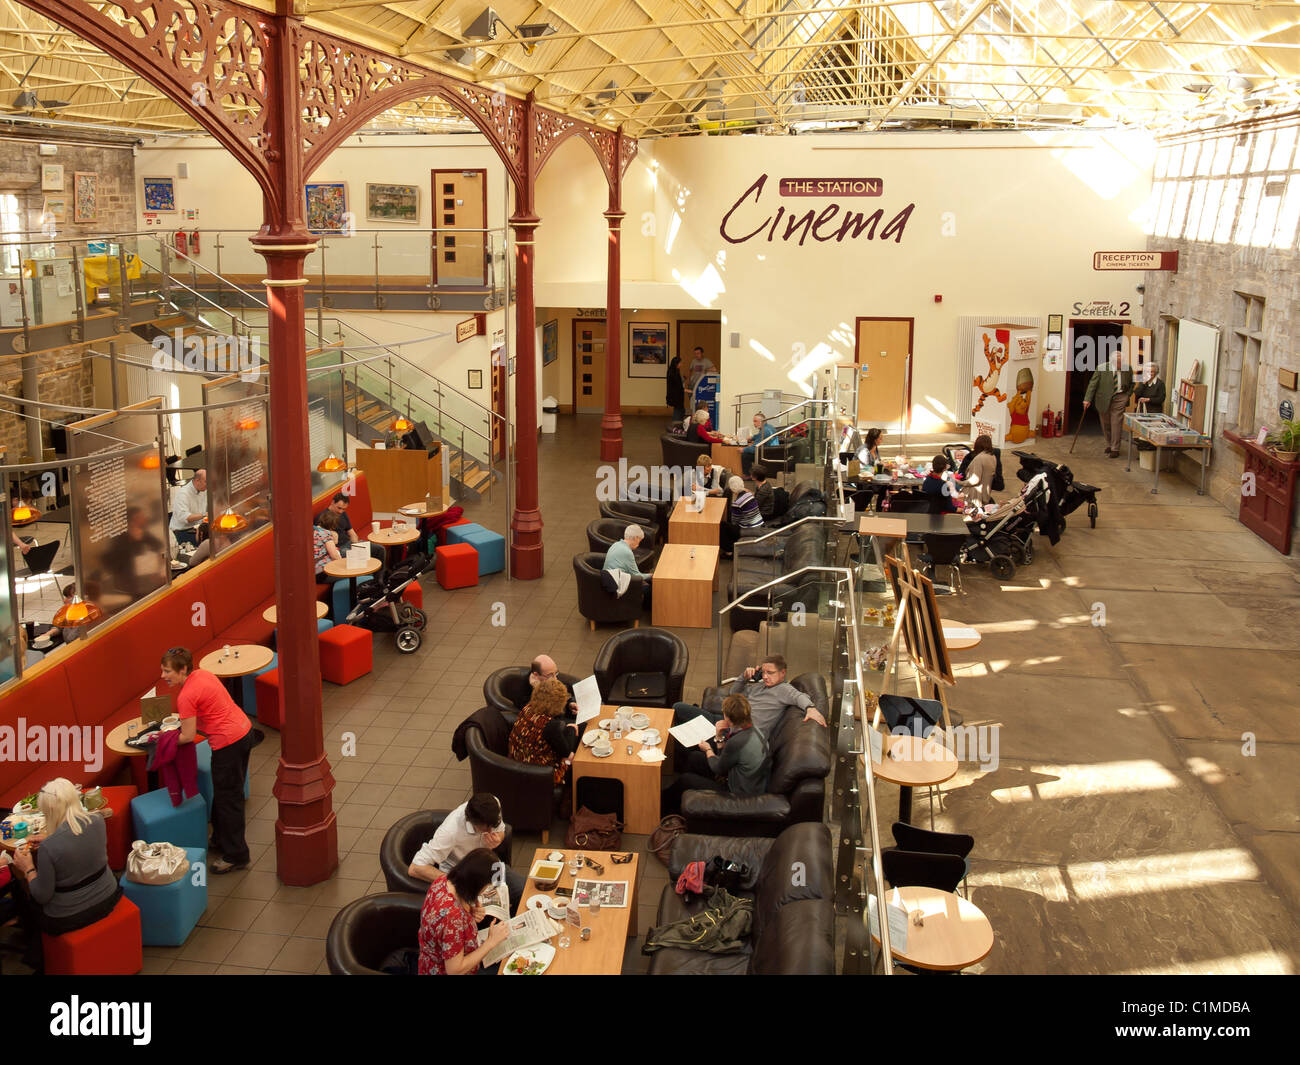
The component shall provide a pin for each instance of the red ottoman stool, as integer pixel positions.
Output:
(111, 947)
(118, 826)
(414, 595)
(456, 566)
(346, 653)
(442, 532)
(267, 687)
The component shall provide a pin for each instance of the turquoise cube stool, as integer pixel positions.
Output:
(248, 691)
(203, 756)
(169, 912)
(156, 820)
(340, 604)
(491, 547)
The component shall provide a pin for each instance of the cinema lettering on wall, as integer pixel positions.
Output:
(833, 222)
(1002, 392)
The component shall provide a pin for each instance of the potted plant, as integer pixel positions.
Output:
(1286, 441)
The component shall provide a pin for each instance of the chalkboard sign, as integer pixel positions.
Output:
(1286, 410)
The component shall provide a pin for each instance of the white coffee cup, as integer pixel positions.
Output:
(170, 722)
(559, 909)
(603, 748)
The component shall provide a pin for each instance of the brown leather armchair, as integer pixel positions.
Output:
(509, 691)
(527, 792)
(407, 836)
(597, 605)
(647, 650)
(366, 931)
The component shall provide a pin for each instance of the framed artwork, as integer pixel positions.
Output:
(647, 349)
(550, 341)
(1055, 322)
(51, 177)
(476, 379)
(85, 196)
(55, 209)
(393, 203)
(160, 195)
(327, 207)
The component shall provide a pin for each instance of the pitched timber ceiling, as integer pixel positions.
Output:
(680, 67)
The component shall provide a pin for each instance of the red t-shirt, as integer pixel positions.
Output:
(204, 697)
(446, 930)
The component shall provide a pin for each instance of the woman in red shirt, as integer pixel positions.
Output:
(450, 916)
(205, 706)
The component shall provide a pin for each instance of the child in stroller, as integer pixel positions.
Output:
(1002, 534)
(381, 608)
(1068, 493)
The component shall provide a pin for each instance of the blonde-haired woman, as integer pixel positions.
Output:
(540, 735)
(68, 883)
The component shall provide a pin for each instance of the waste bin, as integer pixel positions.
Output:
(550, 408)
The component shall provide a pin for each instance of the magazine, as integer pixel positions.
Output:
(610, 892)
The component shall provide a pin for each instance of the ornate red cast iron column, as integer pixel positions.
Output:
(306, 832)
(611, 425)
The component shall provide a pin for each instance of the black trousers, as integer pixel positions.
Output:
(229, 767)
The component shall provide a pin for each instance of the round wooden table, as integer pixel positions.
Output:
(115, 741)
(270, 615)
(244, 658)
(913, 762)
(339, 568)
(955, 933)
(423, 508)
(960, 637)
(393, 541)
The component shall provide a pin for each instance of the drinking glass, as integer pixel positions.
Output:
(593, 906)
(564, 940)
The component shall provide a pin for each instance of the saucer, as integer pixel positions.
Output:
(606, 723)
(640, 720)
(596, 754)
(593, 736)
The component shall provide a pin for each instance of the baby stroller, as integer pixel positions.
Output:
(1004, 537)
(1068, 493)
(381, 608)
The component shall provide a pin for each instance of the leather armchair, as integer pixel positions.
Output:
(801, 761)
(407, 836)
(597, 605)
(636, 512)
(508, 689)
(527, 792)
(604, 533)
(366, 931)
(647, 650)
(794, 922)
(678, 451)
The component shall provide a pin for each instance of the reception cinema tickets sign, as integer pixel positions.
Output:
(1135, 260)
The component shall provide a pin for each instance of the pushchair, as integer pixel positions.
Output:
(1068, 493)
(1004, 537)
(381, 608)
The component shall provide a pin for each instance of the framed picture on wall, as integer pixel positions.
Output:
(327, 207)
(85, 196)
(51, 177)
(647, 349)
(476, 379)
(550, 341)
(55, 209)
(393, 203)
(159, 195)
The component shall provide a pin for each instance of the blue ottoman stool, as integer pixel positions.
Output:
(340, 604)
(491, 547)
(156, 820)
(169, 912)
(248, 691)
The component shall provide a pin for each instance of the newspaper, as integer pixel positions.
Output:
(587, 694)
(694, 732)
(528, 929)
(610, 892)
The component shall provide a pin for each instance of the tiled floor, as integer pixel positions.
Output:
(1144, 814)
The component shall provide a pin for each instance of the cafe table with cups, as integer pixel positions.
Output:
(626, 744)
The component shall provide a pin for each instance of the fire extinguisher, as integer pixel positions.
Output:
(1049, 422)
(1060, 423)
(181, 240)
(194, 243)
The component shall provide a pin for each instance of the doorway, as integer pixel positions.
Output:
(589, 365)
(459, 222)
(499, 373)
(1092, 341)
(880, 353)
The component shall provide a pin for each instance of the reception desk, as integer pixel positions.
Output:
(398, 478)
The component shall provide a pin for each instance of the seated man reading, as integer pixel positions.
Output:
(473, 824)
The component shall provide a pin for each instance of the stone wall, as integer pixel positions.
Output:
(1209, 275)
(62, 374)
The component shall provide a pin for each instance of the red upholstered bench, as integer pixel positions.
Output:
(456, 566)
(118, 826)
(111, 947)
(346, 653)
(267, 687)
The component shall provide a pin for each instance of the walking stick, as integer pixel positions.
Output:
(1076, 431)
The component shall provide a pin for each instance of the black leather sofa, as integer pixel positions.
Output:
(599, 606)
(647, 650)
(794, 917)
(801, 762)
(407, 836)
(756, 564)
(678, 451)
(367, 930)
(637, 512)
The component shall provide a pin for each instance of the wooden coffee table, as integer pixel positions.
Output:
(393, 540)
(702, 527)
(602, 954)
(955, 933)
(641, 780)
(339, 568)
(683, 586)
(269, 614)
(920, 763)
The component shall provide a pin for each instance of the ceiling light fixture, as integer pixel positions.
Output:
(23, 514)
(484, 27)
(76, 614)
(532, 31)
(231, 522)
(331, 464)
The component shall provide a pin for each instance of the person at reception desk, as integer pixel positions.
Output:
(205, 706)
(621, 558)
(325, 540)
(190, 509)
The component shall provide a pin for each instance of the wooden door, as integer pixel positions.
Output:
(459, 219)
(589, 365)
(499, 371)
(693, 333)
(883, 345)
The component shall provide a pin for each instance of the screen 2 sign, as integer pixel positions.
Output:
(1135, 260)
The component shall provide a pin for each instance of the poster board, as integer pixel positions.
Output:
(235, 442)
(1006, 363)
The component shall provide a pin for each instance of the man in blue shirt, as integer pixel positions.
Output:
(938, 489)
(762, 431)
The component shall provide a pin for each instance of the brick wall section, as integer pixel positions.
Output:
(63, 376)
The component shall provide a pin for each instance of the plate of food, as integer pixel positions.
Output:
(531, 961)
(593, 736)
(538, 902)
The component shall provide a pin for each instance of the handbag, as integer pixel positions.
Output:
(728, 875)
(646, 686)
(593, 831)
(662, 838)
(156, 863)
